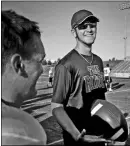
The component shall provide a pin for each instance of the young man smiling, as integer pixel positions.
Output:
(78, 82)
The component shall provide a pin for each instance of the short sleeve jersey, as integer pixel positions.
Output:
(76, 82)
(106, 71)
(50, 73)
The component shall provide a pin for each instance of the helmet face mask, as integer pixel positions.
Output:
(110, 121)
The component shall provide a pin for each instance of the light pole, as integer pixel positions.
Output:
(125, 6)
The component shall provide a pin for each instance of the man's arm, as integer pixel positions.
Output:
(64, 120)
(61, 87)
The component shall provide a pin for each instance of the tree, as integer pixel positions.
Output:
(49, 62)
(113, 59)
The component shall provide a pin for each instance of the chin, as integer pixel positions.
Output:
(89, 41)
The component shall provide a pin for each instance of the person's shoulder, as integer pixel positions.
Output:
(17, 115)
(68, 59)
(97, 57)
(17, 124)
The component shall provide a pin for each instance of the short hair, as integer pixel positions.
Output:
(107, 65)
(16, 30)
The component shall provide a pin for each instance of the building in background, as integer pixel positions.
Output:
(122, 69)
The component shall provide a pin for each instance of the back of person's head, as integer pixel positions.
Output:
(107, 65)
(16, 31)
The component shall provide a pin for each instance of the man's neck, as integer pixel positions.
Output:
(10, 100)
(9, 91)
(8, 103)
(84, 49)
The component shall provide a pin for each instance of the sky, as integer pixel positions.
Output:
(54, 18)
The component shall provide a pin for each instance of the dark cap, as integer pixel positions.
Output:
(81, 16)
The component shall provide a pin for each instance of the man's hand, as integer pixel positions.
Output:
(81, 134)
(92, 138)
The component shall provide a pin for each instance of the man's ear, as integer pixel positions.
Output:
(73, 31)
(16, 63)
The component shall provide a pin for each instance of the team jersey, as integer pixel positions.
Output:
(76, 82)
(106, 71)
(51, 72)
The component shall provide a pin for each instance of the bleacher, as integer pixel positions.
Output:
(121, 70)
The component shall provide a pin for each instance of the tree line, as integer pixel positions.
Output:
(49, 62)
(112, 62)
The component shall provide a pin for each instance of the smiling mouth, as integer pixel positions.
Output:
(88, 35)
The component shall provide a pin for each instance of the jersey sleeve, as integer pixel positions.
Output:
(61, 85)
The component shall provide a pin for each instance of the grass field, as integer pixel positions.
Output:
(39, 107)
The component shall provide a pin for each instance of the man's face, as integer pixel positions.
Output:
(86, 32)
(33, 68)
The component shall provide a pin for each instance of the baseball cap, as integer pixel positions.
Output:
(81, 16)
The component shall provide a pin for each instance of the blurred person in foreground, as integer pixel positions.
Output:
(22, 55)
(78, 82)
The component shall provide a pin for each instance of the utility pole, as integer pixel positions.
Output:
(125, 6)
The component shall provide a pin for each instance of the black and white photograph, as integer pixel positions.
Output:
(65, 73)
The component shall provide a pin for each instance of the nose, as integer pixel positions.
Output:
(88, 28)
